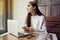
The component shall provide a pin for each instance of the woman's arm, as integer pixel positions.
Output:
(41, 25)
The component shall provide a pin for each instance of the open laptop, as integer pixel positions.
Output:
(13, 28)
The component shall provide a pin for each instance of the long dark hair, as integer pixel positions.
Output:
(28, 21)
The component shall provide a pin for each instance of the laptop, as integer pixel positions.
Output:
(13, 28)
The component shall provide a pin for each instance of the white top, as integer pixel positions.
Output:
(36, 22)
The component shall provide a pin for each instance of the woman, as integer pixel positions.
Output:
(35, 19)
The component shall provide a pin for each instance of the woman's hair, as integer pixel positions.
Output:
(34, 4)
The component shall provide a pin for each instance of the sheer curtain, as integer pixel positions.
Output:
(2, 15)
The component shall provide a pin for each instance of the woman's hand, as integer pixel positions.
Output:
(31, 29)
(28, 29)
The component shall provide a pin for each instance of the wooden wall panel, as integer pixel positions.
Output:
(55, 10)
(55, 1)
(43, 2)
(50, 7)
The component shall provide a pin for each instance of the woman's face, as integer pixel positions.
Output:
(30, 8)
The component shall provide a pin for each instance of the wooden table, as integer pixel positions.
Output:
(11, 37)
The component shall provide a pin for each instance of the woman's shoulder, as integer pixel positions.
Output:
(41, 16)
(38, 17)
